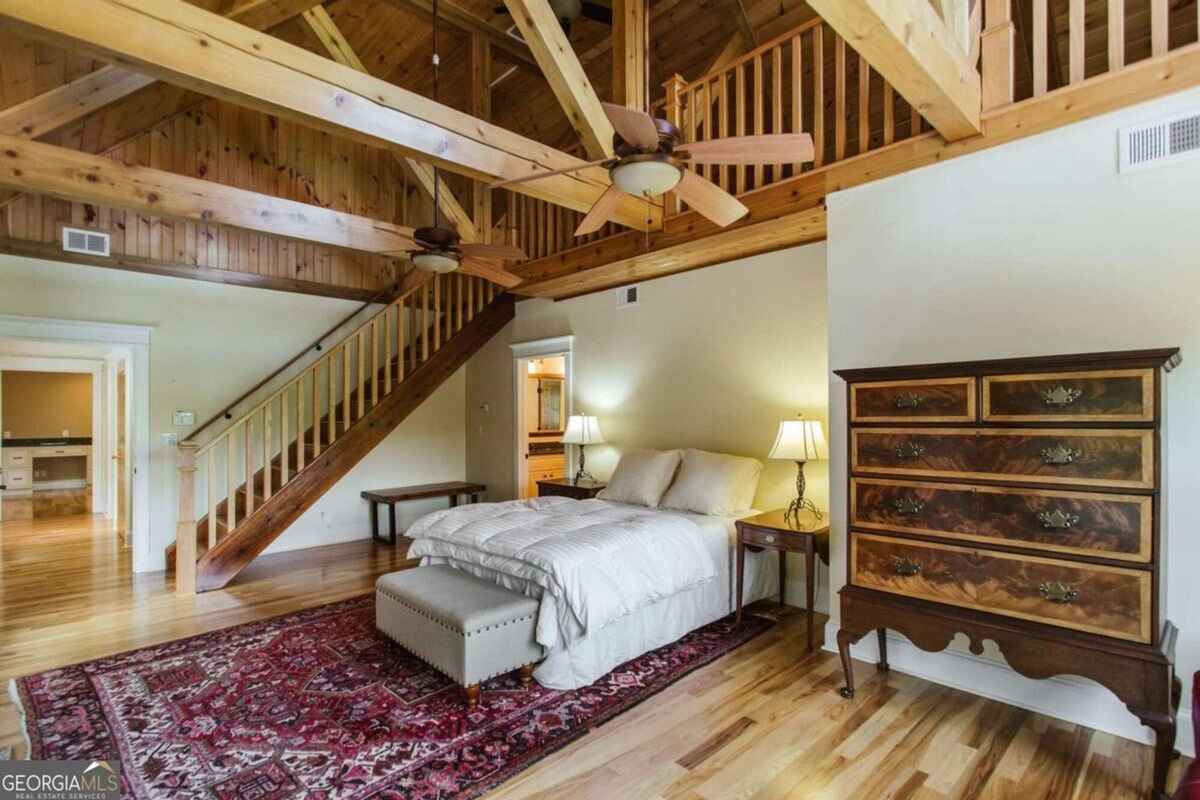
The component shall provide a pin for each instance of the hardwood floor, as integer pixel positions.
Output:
(764, 722)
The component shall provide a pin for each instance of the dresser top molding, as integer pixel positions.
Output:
(1167, 357)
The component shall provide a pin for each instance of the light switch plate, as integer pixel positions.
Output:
(170, 439)
(184, 419)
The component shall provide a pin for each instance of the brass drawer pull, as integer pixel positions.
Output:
(1061, 396)
(1058, 592)
(909, 451)
(907, 505)
(769, 538)
(907, 401)
(905, 566)
(1059, 455)
(1057, 519)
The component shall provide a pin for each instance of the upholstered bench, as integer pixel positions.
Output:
(465, 627)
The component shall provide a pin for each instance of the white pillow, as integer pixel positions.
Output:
(641, 477)
(713, 483)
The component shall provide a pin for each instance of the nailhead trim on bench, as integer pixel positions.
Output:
(446, 625)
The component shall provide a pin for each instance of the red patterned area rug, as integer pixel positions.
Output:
(318, 704)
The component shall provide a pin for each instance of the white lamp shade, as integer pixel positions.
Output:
(582, 430)
(800, 440)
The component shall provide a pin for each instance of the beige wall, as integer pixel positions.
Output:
(211, 342)
(39, 405)
(710, 359)
(1036, 248)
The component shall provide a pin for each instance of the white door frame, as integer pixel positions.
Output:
(134, 342)
(524, 351)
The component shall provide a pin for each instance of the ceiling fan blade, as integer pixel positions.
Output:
(493, 273)
(776, 148)
(537, 176)
(492, 252)
(597, 13)
(635, 127)
(710, 200)
(599, 213)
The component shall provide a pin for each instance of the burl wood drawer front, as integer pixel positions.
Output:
(1116, 458)
(932, 400)
(1122, 395)
(1098, 599)
(1103, 525)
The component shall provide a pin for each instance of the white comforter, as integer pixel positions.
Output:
(596, 561)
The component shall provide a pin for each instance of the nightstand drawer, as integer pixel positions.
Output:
(776, 539)
(559, 487)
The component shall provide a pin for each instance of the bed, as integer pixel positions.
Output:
(614, 579)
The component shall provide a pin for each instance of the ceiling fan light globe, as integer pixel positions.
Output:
(434, 261)
(646, 178)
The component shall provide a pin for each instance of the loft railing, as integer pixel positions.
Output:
(273, 442)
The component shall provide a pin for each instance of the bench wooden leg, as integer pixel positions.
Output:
(526, 675)
(472, 693)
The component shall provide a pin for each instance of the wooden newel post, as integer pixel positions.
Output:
(998, 46)
(185, 531)
(674, 111)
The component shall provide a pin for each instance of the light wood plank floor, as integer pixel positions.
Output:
(763, 722)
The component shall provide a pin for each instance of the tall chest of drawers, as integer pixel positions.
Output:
(1018, 501)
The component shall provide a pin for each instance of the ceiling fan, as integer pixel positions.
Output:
(568, 11)
(440, 249)
(650, 161)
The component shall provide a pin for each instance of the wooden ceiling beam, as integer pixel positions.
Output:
(341, 51)
(909, 44)
(193, 48)
(568, 80)
(74, 176)
(631, 48)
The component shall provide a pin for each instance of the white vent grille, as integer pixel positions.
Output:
(1159, 143)
(89, 243)
(628, 295)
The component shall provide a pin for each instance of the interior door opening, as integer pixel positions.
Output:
(542, 410)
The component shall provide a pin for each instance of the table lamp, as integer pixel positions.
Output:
(800, 440)
(582, 430)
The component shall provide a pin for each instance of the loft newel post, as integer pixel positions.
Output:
(185, 531)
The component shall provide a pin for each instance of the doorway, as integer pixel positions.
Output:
(542, 387)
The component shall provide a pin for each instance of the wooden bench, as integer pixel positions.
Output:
(400, 494)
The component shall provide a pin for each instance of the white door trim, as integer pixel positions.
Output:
(523, 351)
(134, 341)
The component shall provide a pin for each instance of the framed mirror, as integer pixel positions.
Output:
(550, 404)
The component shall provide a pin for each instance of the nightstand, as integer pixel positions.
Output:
(770, 531)
(565, 487)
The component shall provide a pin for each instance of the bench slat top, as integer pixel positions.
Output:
(422, 491)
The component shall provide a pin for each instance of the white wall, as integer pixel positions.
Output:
(712, 359)
(1035, 248)
(210, 343)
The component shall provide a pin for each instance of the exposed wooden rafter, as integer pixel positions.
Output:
(340, 50)
(909, 44)
(202, 51)
(630, 38)
(540, 26)
(481, 106)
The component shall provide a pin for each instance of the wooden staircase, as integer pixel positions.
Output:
(296, 444)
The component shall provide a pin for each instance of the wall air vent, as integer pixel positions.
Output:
(628, 295)
(89, 243)
(1162, 142)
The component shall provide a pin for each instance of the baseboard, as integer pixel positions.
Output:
(1068, 698)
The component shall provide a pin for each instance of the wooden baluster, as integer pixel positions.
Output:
(797, 64)
(212, 496)
(413, 342)
(674, 111)
(709, 170)
(693, 116)
(387, 350)
(300, 426)
(267, 452)
(346, 407)
(425, 322)
(739, 95)
(400, 341)
(1040, 70)
(1075, 36)
(185, 527)
(482, 303)
(839, 98)
(360, 343)
(915, 121)
(889, 114)
(249, 462)
(470, 298)
(777, 102)
(491, 293)
(316, 408)
(458, 301)
(864, 105)
(331, 416)
(1159, 27)
(758, 113)
(723, 126)
(283, 438)
(1116, 34)
(231, 482)
(819, 95)
(375, 365)
(437, 312)
(997, 45)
